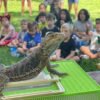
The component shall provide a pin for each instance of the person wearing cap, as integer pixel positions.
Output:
(5, 5)
(29, 2)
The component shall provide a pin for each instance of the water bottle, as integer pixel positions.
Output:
(14, 52)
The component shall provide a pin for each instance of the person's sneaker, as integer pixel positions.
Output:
(84, 56)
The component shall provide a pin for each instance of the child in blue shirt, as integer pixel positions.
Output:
(32, 39)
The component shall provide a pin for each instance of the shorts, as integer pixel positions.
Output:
(73, 1)
(79, 44)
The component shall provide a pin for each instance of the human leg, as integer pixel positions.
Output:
(23, 4)
(76, 58)
(70, 5)
(21, 50)
(13, 43)
(0, 3)
(53, 58)
(30, 6)
(76, 8)
(5, 6)
(87, 51)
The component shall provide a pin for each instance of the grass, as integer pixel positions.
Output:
(89, 64)
(14, 8)
(6, 58)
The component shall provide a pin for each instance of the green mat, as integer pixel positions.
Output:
(77, 83)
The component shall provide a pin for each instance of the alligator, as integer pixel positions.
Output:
(30, 66)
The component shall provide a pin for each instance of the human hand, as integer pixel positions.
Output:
(25, 48)
(1, 42)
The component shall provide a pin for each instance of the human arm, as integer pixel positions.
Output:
(58, 54)
(10, 33)
(24, 46)
(35, 47)
(70, 55)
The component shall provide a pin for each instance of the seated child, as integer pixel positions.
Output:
(83, 23)
(64, 17)
(42, 21)
(95, 40)
(7, 33)
(50, 25)
(82, 43)
(32, 40)
(20, 38)
(42, 9)
(67, 48)
(55, 8)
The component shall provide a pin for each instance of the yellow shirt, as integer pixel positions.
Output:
(42, 25)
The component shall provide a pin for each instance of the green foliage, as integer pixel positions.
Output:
(89, 64)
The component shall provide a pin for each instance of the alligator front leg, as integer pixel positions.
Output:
(3, 81)
(53, 71)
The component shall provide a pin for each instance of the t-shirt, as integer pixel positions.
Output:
(41, 25)
(95, 41)
(32, 40)
(67, 47)
(11, 33)
(79, 42)
(21, 36)
(81, 26)
(45, 30)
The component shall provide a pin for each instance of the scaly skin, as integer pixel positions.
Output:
(33, 64)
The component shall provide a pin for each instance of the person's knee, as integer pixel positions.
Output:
(53, 58)
(20, 49)
(93, 56)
